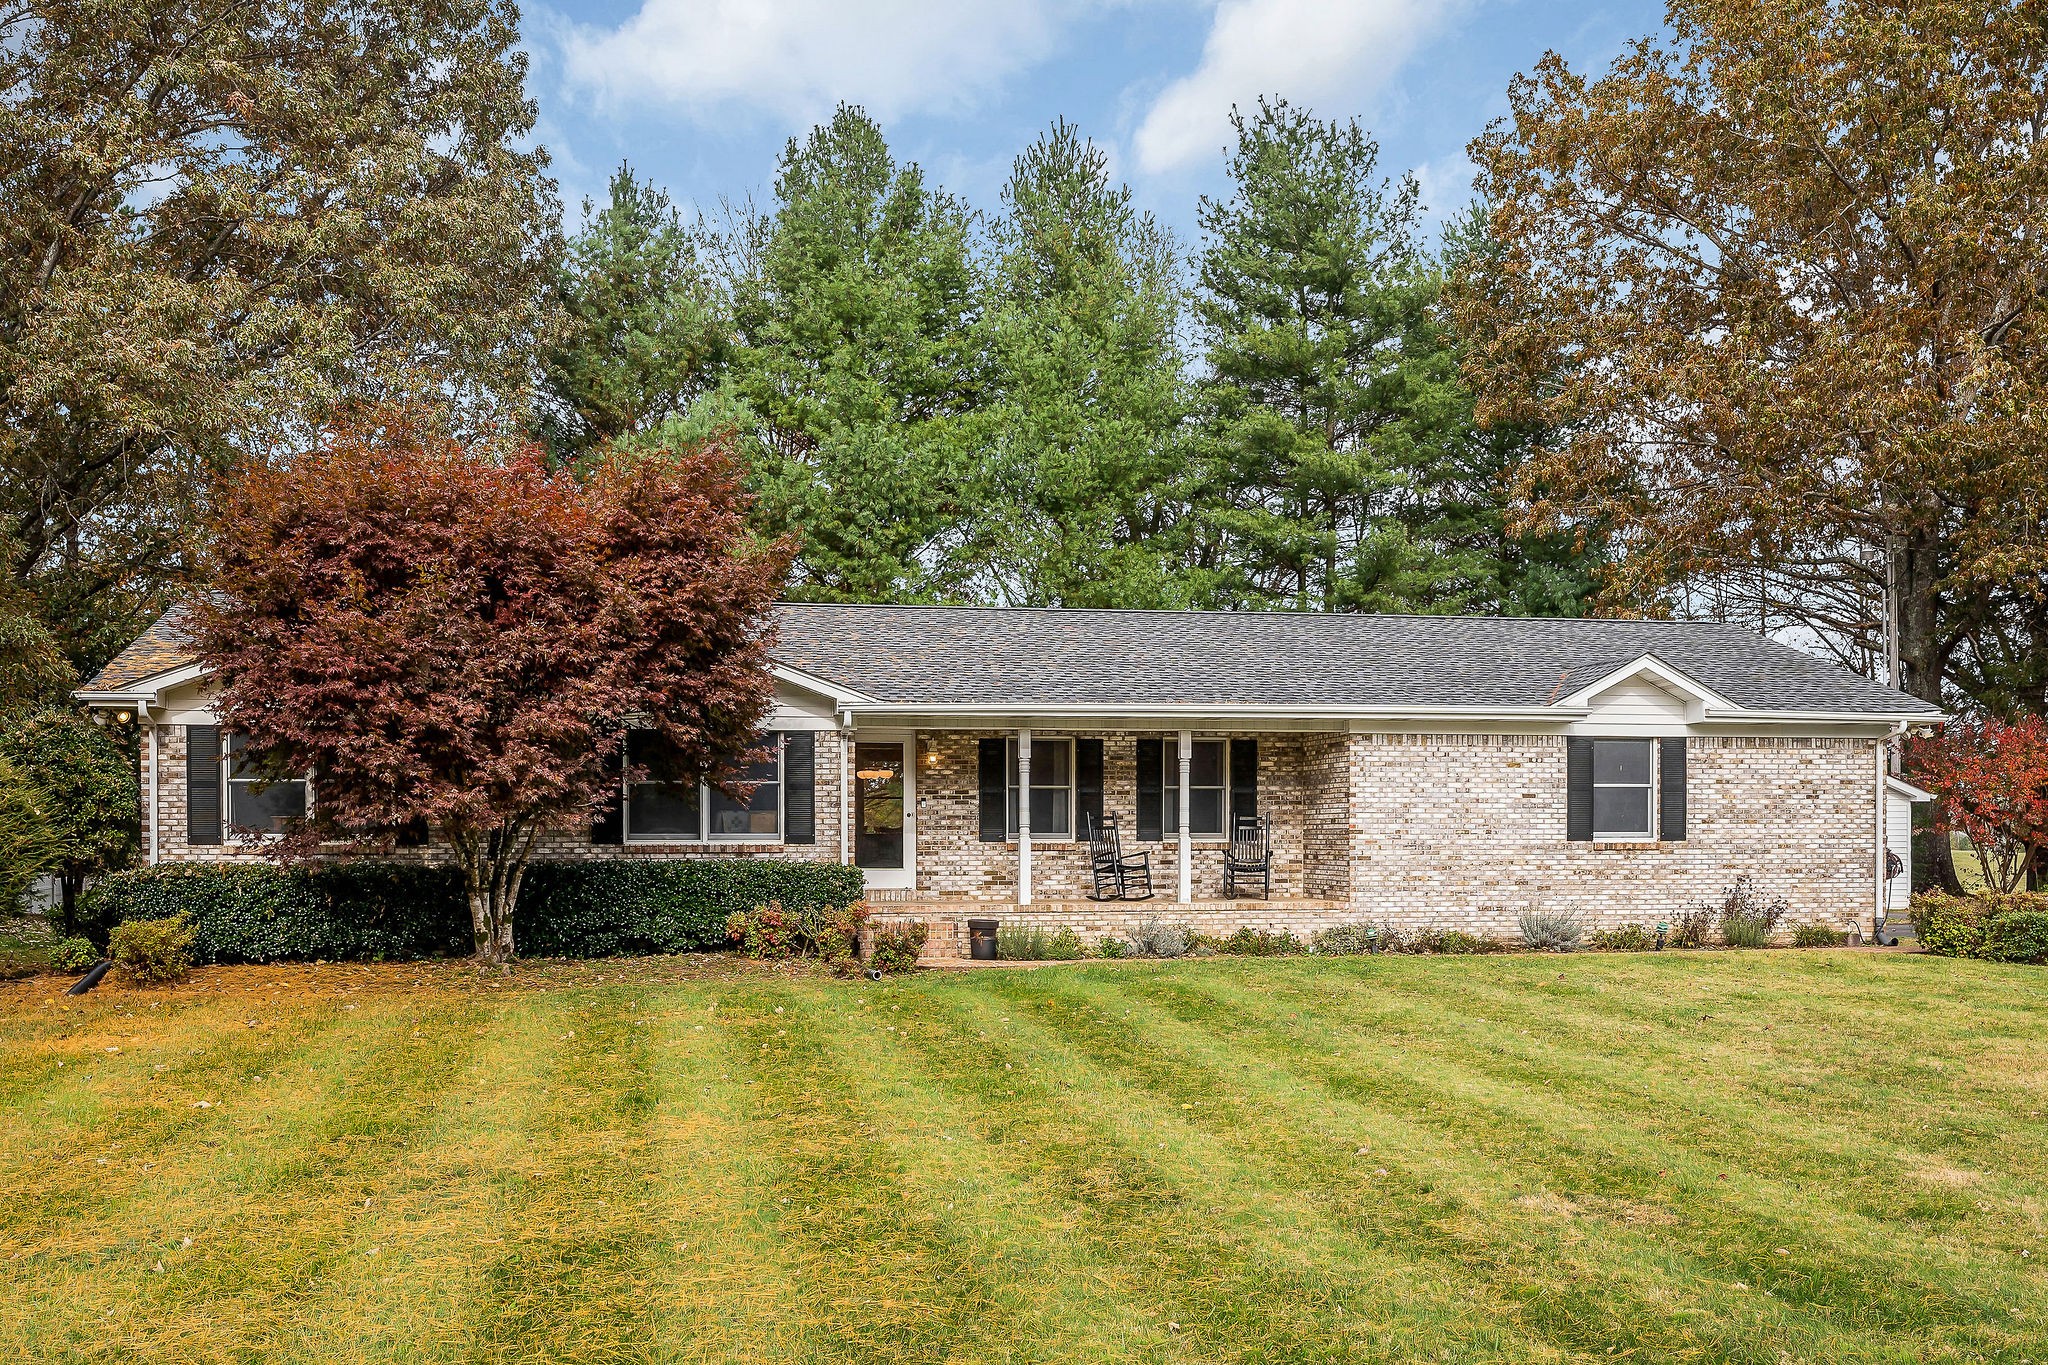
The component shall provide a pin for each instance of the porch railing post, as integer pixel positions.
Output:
(1187, 864)
(1024, 816)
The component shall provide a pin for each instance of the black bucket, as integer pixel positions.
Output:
(981, 940)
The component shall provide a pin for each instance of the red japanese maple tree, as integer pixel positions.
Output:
(1992, 779)
(453, 637)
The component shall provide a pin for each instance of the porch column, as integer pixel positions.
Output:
(1024, 816)
(1187, 863)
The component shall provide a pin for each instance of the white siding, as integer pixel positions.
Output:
(1634, 706)
(1898, 838)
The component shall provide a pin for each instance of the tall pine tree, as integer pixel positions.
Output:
(646, 329)
(860, 362)
(1080, 503)
(1329, 386)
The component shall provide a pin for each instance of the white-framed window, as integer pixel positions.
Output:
(1052, 789)
(1208, 789)
(668, 808)
(252, 802)
(1624, 788)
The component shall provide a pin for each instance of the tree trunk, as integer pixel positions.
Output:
(1922, 665)
(493, 870)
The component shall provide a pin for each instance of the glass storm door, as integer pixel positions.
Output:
(882, 793)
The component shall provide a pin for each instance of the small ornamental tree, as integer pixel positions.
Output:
(455, 638)
(86, 785)
(1992, 780)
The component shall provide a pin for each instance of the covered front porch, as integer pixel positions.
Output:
(958, 819)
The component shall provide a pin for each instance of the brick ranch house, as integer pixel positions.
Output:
(1418, 771)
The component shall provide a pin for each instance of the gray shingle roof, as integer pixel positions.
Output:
(990, 655)
(941, 656)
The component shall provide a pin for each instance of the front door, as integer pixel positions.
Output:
(884, 789)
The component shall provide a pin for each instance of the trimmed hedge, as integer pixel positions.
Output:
(1997, 928)
(381, 910)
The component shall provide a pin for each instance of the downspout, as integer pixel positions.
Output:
(1024, 816)
(155, 731)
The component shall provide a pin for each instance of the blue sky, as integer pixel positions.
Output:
(700, 95)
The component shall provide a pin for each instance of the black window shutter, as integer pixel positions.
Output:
(1087, 786)
(1578, 788)
(608, 821)
(799, 787)
(1151, 790)
(1671, 788)
(1244, 780)
(202, 784)
(994, 790)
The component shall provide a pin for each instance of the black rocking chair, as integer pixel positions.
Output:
(1118, 876)
(1251, 856)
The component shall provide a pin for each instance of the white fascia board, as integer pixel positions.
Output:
(811, 682)
(1180, 712)
(1907, 789)
(1651, 667)
(1893, 718)
(148, 692)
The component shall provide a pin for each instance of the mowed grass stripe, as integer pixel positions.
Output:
(415, 1236)
(1248, 1268)
(860, 1236)
(1813, 1144)
(570, 1281)
(718, 1286)
(273, 1220)
(1379, 1201)
(1469, 1131)
(1057, 1292)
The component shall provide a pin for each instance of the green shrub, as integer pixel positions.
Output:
(1029, 943)
(151, 952)
(896, 947)
(1627, 938)
(73, 954)
(1454, 942)
(829, 933)
(1352, 940)
(2008, 927)
(1952, 926)
(375, 909)
(1067, 946)
(2017, 936)
(1547, 931)
(1816, 935)
(1112, 947)
(1747, 919)
(1249, 942)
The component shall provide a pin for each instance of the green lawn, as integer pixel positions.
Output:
(1825, 1156)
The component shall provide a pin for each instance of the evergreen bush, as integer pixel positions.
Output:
(381, 909)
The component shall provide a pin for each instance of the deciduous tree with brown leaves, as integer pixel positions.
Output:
(1780, 279)
(220, 219)
(454, 637)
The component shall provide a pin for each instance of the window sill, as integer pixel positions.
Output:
(1623, 844)
(759, 841)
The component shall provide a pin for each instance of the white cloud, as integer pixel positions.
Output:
(797, 58)
(1310, 51)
